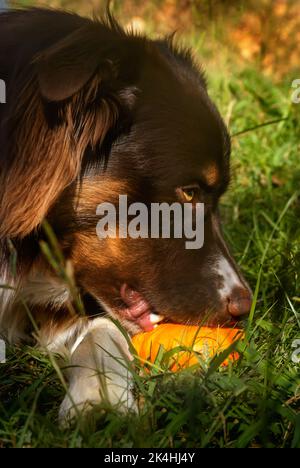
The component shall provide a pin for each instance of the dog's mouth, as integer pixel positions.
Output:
(138, 310)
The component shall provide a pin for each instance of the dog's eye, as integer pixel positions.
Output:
(188, 194)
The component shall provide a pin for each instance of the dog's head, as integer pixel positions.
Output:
(109, 114)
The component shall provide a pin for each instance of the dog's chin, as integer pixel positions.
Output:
(204, 320)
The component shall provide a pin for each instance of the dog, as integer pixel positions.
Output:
(93, 112)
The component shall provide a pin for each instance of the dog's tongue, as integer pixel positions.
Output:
(138, 310)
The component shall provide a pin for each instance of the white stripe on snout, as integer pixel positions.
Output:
(230, 278)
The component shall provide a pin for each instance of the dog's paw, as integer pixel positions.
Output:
(86, 394)
(99, 373)
(78, 402)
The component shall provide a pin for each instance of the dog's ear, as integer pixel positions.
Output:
(67, 66)
(80, 97)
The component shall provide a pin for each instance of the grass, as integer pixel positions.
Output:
(254, 402)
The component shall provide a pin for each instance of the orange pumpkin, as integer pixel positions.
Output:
(198, 342)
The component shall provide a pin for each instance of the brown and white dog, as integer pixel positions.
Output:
(93, 112)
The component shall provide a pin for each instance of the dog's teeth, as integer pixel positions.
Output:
(154, 318)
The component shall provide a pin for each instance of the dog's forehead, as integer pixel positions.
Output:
(186, 138)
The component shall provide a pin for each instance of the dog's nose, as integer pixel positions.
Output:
(239, 302)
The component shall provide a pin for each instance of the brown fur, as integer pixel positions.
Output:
(55, 154)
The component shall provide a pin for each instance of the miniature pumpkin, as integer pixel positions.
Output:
(203, 342)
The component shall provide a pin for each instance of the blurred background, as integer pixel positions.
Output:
(266, 32)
